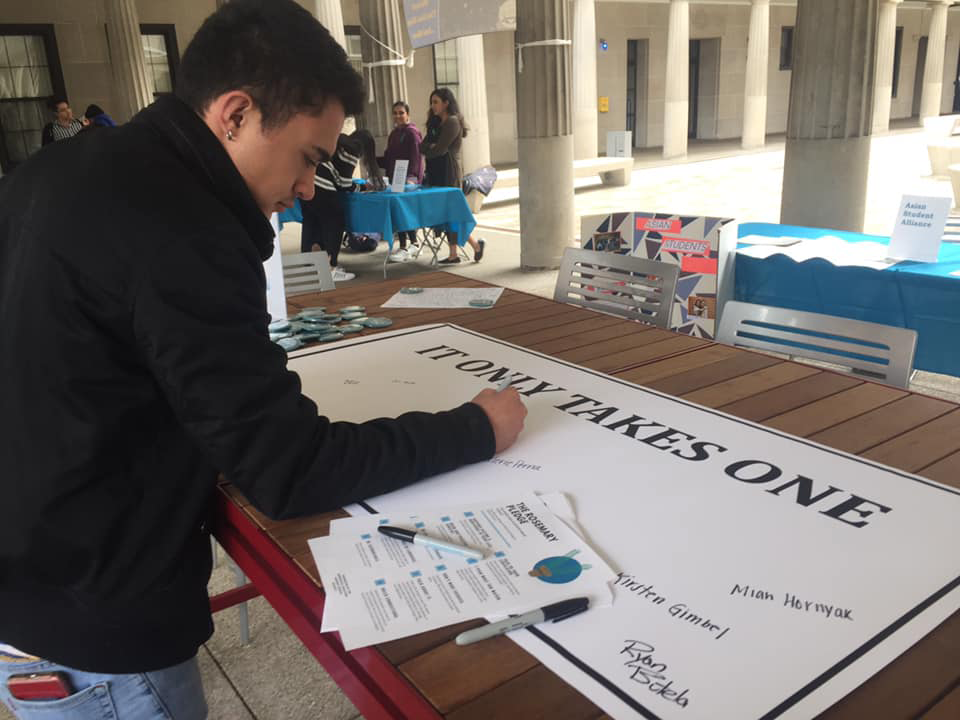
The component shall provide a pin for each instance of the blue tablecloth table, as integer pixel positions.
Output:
(922, 296)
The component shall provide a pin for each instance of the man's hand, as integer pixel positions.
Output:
(506, 413)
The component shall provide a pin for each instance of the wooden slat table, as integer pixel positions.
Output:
(427, 676)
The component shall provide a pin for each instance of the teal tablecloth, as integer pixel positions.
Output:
(922, 296)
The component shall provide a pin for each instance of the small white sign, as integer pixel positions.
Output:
(273, 269)
(919, 228)
(399, 176)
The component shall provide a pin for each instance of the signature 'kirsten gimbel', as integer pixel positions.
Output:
(646, 670)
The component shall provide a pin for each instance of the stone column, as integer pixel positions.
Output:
(330, 15)
(545, 134)
(830, 115)
(886, 41)
(382, 19)
(933, 67)
(473, 102)
(131, 89)
(585, 136)
(676, 106)
(755, 88)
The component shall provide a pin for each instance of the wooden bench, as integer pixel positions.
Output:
(612, 171)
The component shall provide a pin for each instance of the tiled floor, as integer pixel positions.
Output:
(274, 678)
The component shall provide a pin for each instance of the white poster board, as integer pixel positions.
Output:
(399, 181)
(919, 228)
(760, 575)
(273, 269)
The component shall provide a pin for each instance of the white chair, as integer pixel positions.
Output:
(307, 273)
(881, 352)
(631, 287)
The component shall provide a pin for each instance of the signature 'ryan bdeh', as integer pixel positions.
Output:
(647, 670)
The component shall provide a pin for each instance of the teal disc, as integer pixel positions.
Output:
(330, 337)
(481, 303)
(378, 322)
(289, 343)
(411, 290)
(350, 328)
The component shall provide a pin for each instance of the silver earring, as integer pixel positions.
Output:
(229, 134)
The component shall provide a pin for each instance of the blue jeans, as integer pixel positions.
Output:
(174, 693)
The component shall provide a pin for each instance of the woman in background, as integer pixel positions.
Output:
(441, 148)
(404, 144)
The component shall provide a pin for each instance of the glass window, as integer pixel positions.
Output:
(445, 69)
(354, 51)
(157, 61)
(25, 89)
(786, 48)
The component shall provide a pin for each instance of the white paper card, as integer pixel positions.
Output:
(919, 228)
(443, 298)
(399, 181)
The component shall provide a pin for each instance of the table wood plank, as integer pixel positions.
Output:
(946, 471)
(450, 676)
(751, 384)
(665, 346)
(829, 411)
(777, 401)
(915, 448)
(713, 373)
(537, 693)
(947, 709)
(872, 428)
(697, 357)
(611, 332)
(399, 651)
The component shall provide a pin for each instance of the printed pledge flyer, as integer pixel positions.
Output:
(379, 588)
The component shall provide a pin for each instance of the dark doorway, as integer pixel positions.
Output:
(956, 89)
(918, 76)
(693, 95)
(638, 52)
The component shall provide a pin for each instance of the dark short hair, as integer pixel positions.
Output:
(274, 50)
(56, 100)
(401, 103)
(92, 111)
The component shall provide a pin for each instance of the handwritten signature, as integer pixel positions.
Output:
(646, 670)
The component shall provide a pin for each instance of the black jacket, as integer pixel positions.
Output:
(134, 365)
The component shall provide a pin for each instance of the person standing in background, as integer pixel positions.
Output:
(404, 144)
(441, 148)
(63, 125)
(324, 220)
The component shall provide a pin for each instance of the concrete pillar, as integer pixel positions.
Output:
(830, 116)
(330, 15)
(886, 41)
(585, 135)
(132, 92)
(933, 68)
(389, 82)
(755, 88)
(676, 106)
(473, 102)
(545, 134)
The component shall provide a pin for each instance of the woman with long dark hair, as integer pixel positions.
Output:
(441, 148)
(369, 167)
